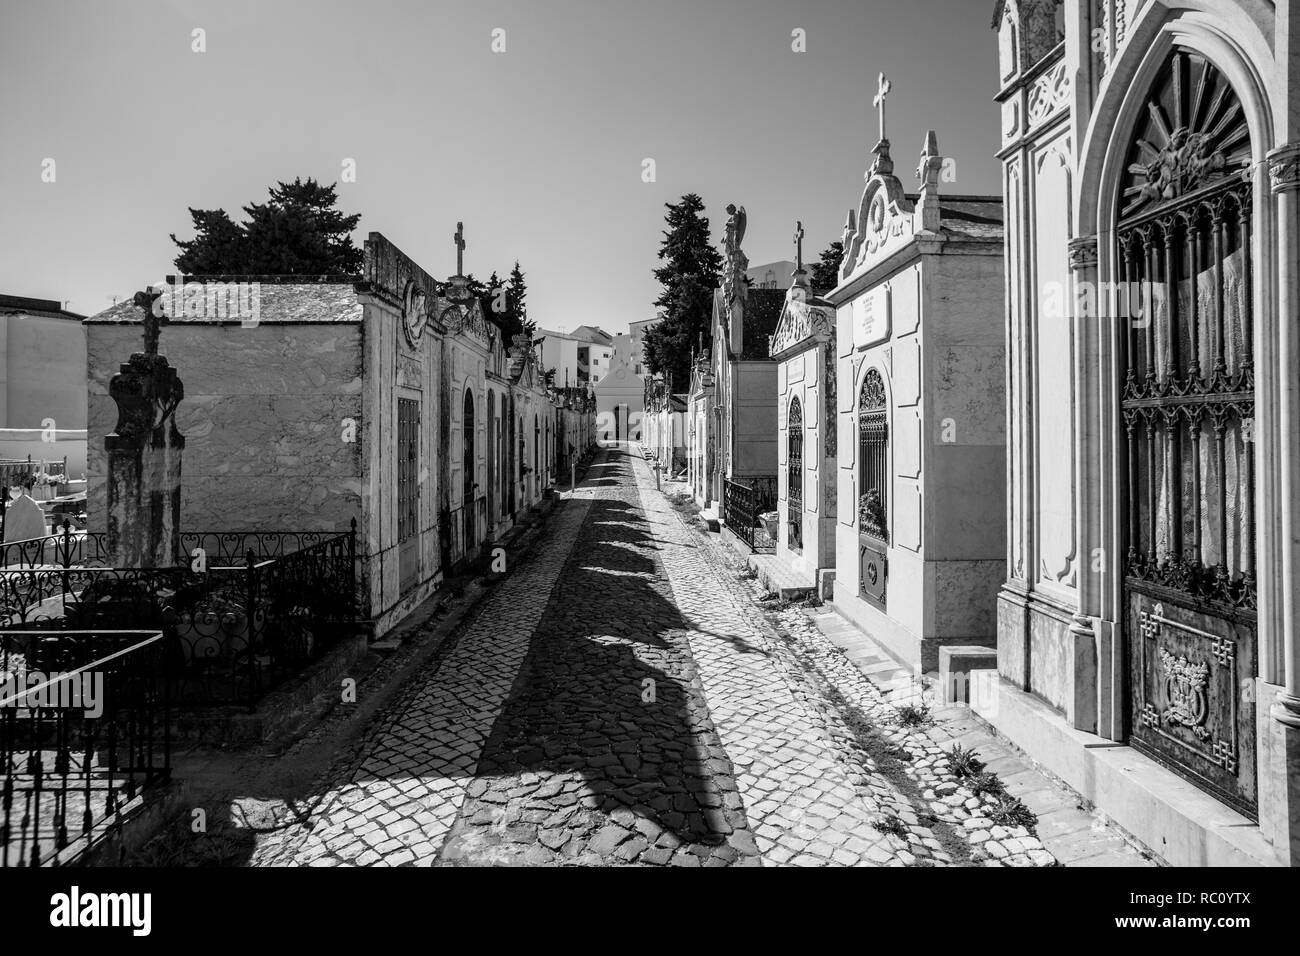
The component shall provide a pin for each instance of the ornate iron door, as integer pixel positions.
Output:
(873, 485)
(794, 502)
(408, 493)
(1188, 410)
(469, 470)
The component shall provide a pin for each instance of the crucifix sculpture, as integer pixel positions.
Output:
(883, 88)
(153, 320)
(798, 244)
(460, 248)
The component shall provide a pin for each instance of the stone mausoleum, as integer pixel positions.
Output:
(921, 533)
(804, 347)
(387, 397)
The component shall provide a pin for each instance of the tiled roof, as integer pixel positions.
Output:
(285, 302)
(762, 312)
(976, 217)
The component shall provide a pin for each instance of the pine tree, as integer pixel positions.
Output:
(688, 277)
(516, 306)
(299, 231)
(826, 272)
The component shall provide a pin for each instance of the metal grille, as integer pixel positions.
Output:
(408, 460)
(1187, 405)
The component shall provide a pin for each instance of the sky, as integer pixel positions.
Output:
(538, 149)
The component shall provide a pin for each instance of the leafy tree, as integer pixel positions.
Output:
(688, 276)
(826, 272)
(299, 231)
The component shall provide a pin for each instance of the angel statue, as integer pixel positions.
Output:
(735, 228)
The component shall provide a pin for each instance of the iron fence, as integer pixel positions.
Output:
(233, 631)
(743, 500)
(64, 548)
(85, 723)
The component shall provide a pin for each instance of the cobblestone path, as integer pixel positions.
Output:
(618, 699)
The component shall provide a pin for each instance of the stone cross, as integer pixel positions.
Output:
(460, 248)
(798, 244)
(883, 88)
(153, 321)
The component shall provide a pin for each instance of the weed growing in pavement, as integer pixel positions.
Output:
(914, 715)
(749, 574)
(982, 782)
(964, 763)
(1009, 811)
(891, 826)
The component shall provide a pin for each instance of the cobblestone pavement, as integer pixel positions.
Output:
(622, 698)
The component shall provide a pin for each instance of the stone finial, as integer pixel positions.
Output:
(928, 172)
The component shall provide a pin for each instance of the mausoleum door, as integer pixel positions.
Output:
(469, 467)
(1187, 402)
(492, 452)
(408, 493)
(873, 488)
(794, 482)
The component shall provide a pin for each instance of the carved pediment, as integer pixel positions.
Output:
(800, 321)
(884, 216)
(467, 319)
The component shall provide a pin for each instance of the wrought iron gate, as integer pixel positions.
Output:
(1187, 403)
(794, 477)
(873, 488)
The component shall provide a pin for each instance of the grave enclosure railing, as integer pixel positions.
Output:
(743, 500)
(248, 612)
(85, 724)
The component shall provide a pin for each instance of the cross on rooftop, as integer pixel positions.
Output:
(459, 239)
(798, 244)
(883, 87)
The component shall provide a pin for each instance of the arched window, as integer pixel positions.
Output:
(794, 463)
(1187, 400)
(537, 464)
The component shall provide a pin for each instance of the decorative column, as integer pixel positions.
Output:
(1090, 680)
(144, 454)
(1284, 177)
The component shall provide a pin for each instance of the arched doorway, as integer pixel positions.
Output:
(794, 476)
(469, 467)
(1183, 248)
(873, 487)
